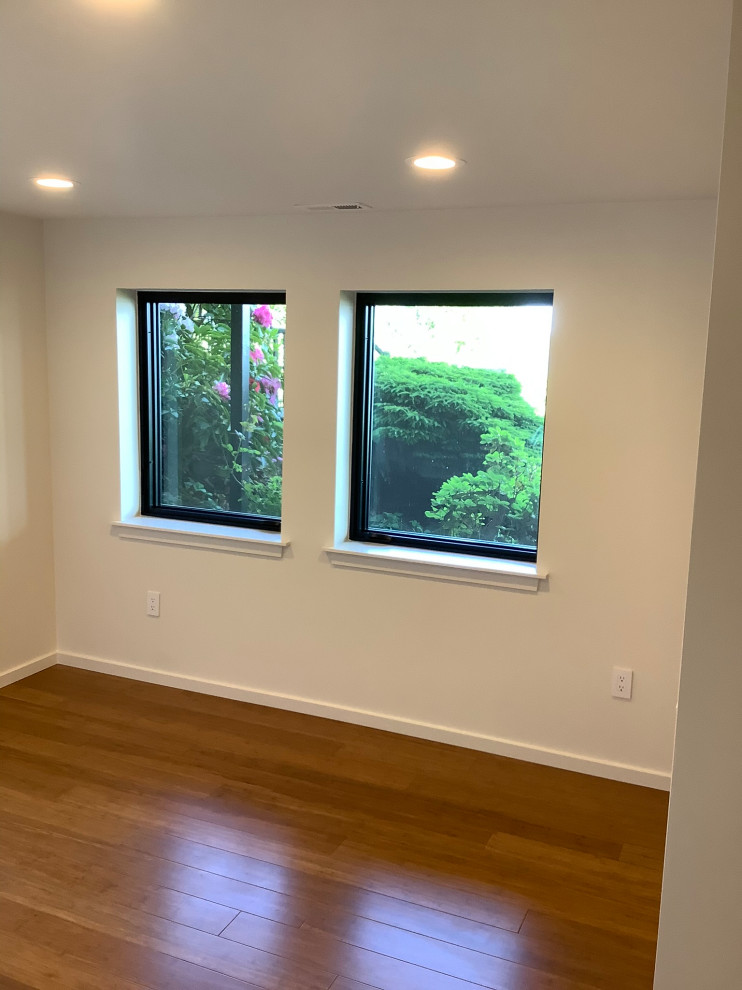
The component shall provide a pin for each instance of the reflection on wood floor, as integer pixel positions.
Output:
(151, 837)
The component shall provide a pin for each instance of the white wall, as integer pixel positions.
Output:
(26, 552)
(631, 288)
(699, 945)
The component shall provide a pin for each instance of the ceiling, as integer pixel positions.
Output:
(216, 107)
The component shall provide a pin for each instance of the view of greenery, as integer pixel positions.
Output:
(456, 452)
(212, 456)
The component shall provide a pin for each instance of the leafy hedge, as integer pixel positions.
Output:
(457, 452)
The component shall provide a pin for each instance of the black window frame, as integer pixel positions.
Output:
(362, 401)
(150, 397)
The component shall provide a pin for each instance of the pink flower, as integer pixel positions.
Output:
(271, 386)
(222, 390)
(256, 354)
(263, 316)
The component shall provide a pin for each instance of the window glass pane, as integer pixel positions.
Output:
(457, 421)
(221, 389)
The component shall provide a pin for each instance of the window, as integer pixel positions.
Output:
(211, 406)
(448, 420)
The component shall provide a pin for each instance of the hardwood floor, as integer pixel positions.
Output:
(157, 838)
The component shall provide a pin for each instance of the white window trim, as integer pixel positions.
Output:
(201, 536)
(458, 568)
(154, 529)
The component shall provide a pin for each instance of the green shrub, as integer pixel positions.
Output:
(457, 447)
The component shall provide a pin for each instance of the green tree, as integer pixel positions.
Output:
(456, 451)
(500, 502)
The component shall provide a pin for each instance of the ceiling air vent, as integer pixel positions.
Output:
(329, 207)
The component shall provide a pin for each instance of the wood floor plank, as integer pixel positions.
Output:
(362, 804)
(177, 948)
(62, 819)
(556, 947)
(185, 909)
(9, 984)
(607, 810)
(154, 839)
(484, 969)
(71, 681)
(36, 968)
(242, 882)
(352, 961)
(129, 824)
(113, 888)
(620, 880)
(271, 747)
(249, 838)
(468, 766)
(537, 887)
(75, 737)
(649, 859)
(164, 709)
(23, 772)
(99, 960)
(84, 755)
(34, 775)
(208, 901)
(613, 960)
(474, 900)
(266, 893)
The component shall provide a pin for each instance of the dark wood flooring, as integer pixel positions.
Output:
(158, 838)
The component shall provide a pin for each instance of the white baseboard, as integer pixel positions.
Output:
(26, 669)
(391, 723)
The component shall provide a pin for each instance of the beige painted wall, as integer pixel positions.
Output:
(631, 285)
(26, 551)
(699, 945)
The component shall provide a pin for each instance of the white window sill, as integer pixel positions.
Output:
(459, 568)
(200, 536)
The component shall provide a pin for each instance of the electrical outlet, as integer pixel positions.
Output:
(153, 604)
(622, 683)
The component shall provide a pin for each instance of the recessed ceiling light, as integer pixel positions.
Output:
(436, 163)
(49, 182)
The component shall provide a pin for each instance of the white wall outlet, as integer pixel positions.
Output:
(153, 604)
(622, 683)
